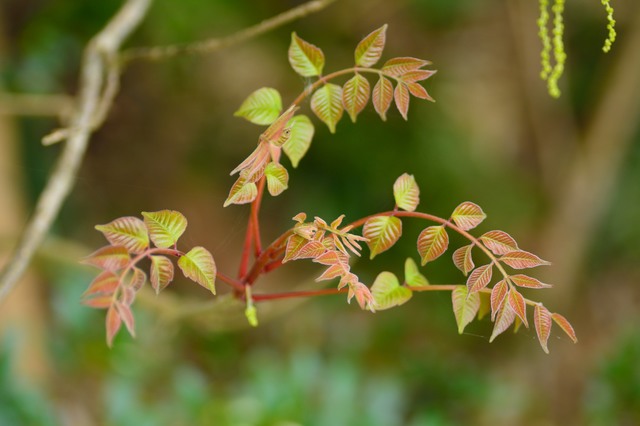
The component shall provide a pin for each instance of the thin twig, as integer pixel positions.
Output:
(92, 91)
(158, 53)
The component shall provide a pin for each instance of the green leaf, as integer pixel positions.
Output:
(485, 305)
(242, 192)
(165, 227)
(302, 131)
(387, 292)
(261, 107)
(465, 306)
(401, 95)
(109, 258)
(161, 272)
(432, 242)
(382, 97)
(326, 103)
(412, 275)
(397, 67)
(370, 49)
(355, 95)
(305, 58)
(382, 233)
(463, 260)
(277, 178)
(198, 265)
(406, 192)
(129, 232)
(468, 215)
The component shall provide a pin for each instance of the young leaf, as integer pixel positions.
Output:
(128, 232)
(98, 301)
(468, 215)
(519, 306)
(294, 244)
(301, 135)
(109, 258)
(326, 103)
(504, 319)
(419, 92)
(382, 96)
(334, 271)
(311, 250)
(369, 50)
(396, 67)
(463, 260)
(382, 233)
(528, 282)
(485, 305)
(498, 296)
(542, 321)
(499, 242)
(277, 178)
(251, 313)
(198, 265)
(104, 284)
(479, 278)
(362, 294)
(261, 107)
(161, 272)
(387, 292)
(401, 96)
(565, 326)
(417, 75)
(355, 95)
(406, 192)
(113, 323)
(165, 227)
(138, 278)
(520, 259)
(275, 132)
(124, 311)
(465, 306)
(412, 276)
(432, 242)
(305, 58)
(242, 192)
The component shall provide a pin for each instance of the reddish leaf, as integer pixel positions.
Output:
(419, 92)
(498, 296)
(468, 215)
(138, 278)
(326, 103)
(161, 272)
(382, 96)
(362, 294)
(312, 249)
(305, 58)
(479, 278)
(294, 244)
(382, 232)
(99, 301)
(277, 178)
(520, 259)
(355, 95)
(463, 260)
(333, 271)
(398, 66)
(465, 306)
(109, 258)
(499, 242)
(198, 265)
(369, 50)
(165, 227)
(401, 96)
(242, 192)
(542, 322)
(417, 75)
(504, 319)
(127, 317)
(330, 258)
(528, 282)
(129, 232)
(406, 192)
(113, 323)
(565, 326)
(104, 284)
(128, 295)
(519, 306)
(432, 242)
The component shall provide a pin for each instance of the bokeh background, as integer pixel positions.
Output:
(560, 175)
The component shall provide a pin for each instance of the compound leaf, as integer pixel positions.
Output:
(370, 49)
(305, 58)
(465, 306)
(355, 95)
(165, 227)
(262, 107)
(302, 131)
(129, 232)
(387, 291)
(406, 192)
(432, 242)
(326, 104)
(382, 233)
(198, 265)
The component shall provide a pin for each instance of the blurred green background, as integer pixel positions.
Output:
(559, 175)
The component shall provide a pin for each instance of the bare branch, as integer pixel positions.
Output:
(93, 92)
(158, 53)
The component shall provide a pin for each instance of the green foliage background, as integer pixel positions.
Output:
(171, 141)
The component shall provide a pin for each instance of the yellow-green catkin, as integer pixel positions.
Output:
(611, 26)
(559, 55)
(543, 33)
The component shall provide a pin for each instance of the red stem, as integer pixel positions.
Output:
(255, 209)
(246, 250)
(230, 281)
